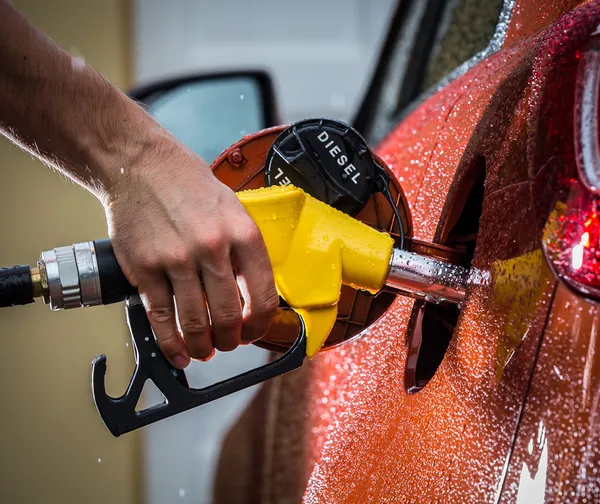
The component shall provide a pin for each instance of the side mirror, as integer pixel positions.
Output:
(209, 112)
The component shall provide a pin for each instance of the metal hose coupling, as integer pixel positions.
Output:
(71, 276)
(426, 278)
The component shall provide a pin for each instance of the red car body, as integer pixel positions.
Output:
(511, 413)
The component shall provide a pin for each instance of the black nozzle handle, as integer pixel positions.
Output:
(16, 286)
(113, 284)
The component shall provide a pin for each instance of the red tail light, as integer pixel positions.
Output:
(571, 237)
(572, 240)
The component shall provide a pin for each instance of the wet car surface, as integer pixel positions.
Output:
(508, 410)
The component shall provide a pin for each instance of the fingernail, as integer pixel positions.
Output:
(180, 362)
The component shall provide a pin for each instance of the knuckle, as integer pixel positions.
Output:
(265, 306)
(250, 235)
(217, 247)
(261, 316)
(194, 325)
(178, 258)
(169, 345)
(228, 319)
(161, 315)
(213, 244)
(270, 304)
(149, 263)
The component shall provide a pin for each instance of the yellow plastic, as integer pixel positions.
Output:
(314, 249)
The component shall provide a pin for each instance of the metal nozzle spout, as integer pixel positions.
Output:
(426, 278)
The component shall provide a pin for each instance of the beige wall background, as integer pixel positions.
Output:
(54, 447)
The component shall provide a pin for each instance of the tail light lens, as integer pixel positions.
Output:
(571, 236)
(572, 240)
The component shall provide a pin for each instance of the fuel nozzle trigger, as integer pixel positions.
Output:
(120, 415)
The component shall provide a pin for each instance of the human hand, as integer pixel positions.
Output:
(173, 224)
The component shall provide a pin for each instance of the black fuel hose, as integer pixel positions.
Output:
(16, 287)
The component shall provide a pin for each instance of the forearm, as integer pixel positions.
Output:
(62, 111)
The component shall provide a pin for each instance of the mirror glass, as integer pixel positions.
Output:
(210, 115)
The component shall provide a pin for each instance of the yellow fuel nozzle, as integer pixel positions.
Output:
(314, 249)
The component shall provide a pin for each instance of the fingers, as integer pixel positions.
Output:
(157, 297)
(257, 284)
(224, 304)
(210, 315)
(192, 312)
(170, 231)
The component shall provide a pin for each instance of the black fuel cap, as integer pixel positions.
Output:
(328, 159)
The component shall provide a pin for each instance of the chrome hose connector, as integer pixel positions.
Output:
(72, 276)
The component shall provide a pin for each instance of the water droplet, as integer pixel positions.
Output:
(182, 490)
(122, 170)
(153, 354)
(126, 344)
(241, 98)
(99, 460)
(146, 338)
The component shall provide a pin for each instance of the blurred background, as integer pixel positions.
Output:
(320, 55)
